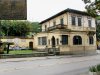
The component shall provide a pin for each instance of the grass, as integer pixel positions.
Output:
(19, 52)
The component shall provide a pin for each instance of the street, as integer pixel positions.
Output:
(51, 65)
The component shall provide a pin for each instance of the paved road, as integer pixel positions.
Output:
(57, 65)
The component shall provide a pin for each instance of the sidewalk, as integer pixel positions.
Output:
(49, 57)
(69, 57)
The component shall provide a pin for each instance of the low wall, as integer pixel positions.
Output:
(37, 54)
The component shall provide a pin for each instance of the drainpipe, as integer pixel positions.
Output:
(84, 37)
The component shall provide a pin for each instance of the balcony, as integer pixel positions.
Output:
(59, 26)
(91, 29)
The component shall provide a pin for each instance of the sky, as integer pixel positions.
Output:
(39, 10)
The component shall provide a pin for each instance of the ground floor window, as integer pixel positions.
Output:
(91, 40)
(64, 39)
(77, 40)
(42, 40)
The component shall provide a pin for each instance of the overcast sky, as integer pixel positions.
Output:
(39, 10)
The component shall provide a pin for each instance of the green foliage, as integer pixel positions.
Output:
(93, 7)
(20, 52)
(18, 28)
(98, 67)
(93, 69)
(36, 27)
(15, 28)
(98, 18)
(98, 29)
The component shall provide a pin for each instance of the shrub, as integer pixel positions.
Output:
(98, 67)
(93, 69)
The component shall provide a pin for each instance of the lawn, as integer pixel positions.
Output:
(19, 52)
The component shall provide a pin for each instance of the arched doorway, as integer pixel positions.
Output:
(31, 45)
(53, 41)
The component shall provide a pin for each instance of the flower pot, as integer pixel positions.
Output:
(92, 73)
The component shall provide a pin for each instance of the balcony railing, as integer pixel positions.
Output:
(91, 28)
(59, 26)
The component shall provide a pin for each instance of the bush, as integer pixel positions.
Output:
(98, 67)
(95, 68)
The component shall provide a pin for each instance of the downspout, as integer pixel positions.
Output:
(84, 34)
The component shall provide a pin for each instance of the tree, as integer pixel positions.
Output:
(36, 27)
(93, 7)
(15, 28)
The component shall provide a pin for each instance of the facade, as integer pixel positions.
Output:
(19, 42)
(68, 32)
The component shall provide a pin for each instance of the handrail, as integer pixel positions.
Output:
(59, 26)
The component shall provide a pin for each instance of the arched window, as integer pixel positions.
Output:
(77, 40)
(91, 40)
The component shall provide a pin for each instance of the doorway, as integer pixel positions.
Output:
(31, 45)
(53, 41)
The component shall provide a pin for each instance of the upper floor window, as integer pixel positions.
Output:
(61, 21)
(45, 27)
(89, 23)
(73, 20)
(64, 39)
(77, 40)
(91, 41)
(54, 23)
(79, 21)
(42, 40)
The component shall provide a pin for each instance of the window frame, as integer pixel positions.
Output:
(91, 40)
(73, 24)
(54, 23)
(77, 40)
(79, 21)
(42, 41)
(64, 39)
(89, 22)
(62, 21)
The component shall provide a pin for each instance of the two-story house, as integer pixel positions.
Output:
(68, 32)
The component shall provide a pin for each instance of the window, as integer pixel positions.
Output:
(54, 23)
(91, 41)
(89, 23)
(64, 39)
(73, 20)
(61, 21)
(77, 40)
(57, 41)
(45, 27)
(42, 41)
(79, 21)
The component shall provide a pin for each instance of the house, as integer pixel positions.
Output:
(68, 32)
(19, 42)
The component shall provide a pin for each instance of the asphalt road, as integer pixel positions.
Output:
(48, 65)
